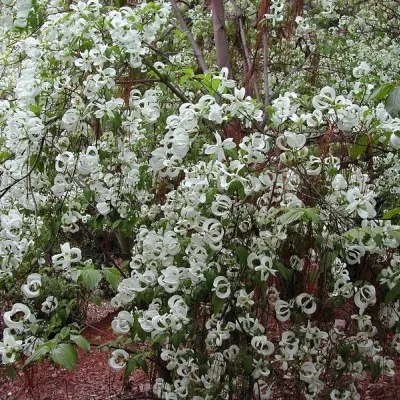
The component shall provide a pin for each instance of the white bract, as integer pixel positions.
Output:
(123, 322)
(222, 287)
(365, 296)
(306, 303)
(67, 256)
(49, 305)
(282, 310)
(17, 318)
(118, 359)
(9, 347)
(32, 288)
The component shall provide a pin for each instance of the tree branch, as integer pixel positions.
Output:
(249, 64)
(165, 81)
(193, 43)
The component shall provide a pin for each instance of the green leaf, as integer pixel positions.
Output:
(319, 240)
(328, 259)
(35, 109)
(188, 72)
(248, 364)
(210, 276)
(393, 294)
(4, 155)
(97, 300)
(291, 216)
(175, 340)
(161, 338)
(210, 194)
(143, 365)
(375, 371)
(327, 49)
(11, 372)
(382, 91)
(139, 330)
(286, 273)
(112, 276)
(392, 213)
(32, 20)
(65, 355)
(312, 213)
(345, 351)
(115, 224)
(131, 365)
(88, 194)
(135, 362)
(395, 233)
(38, 354)
(116, 121)
(236, 187)
(392, 104)
(217, 304)
(378, 239)
(360, 147)
(81, 342)
(242, 254)
(64, 333)
(90, 278)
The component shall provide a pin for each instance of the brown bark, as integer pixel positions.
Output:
(220, 36)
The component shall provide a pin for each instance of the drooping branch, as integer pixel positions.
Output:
(188, 33)
(220, 36)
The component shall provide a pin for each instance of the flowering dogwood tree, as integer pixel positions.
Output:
(241, 159)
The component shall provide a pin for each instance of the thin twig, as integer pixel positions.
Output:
(166, 82)
(132, 81)
(4, 191)
(266, 78)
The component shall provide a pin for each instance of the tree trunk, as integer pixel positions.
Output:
(220, 37)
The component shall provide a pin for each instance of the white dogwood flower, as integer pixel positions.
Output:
(50, 304)
(17, 317)
(222, 287)
(118, 359)
(122, 322)
(67, 256)
(32, 288)
(365, 296)
(218, 149)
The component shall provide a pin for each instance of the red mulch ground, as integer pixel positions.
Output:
(93, 379)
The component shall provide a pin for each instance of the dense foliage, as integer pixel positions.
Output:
(227, 173)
